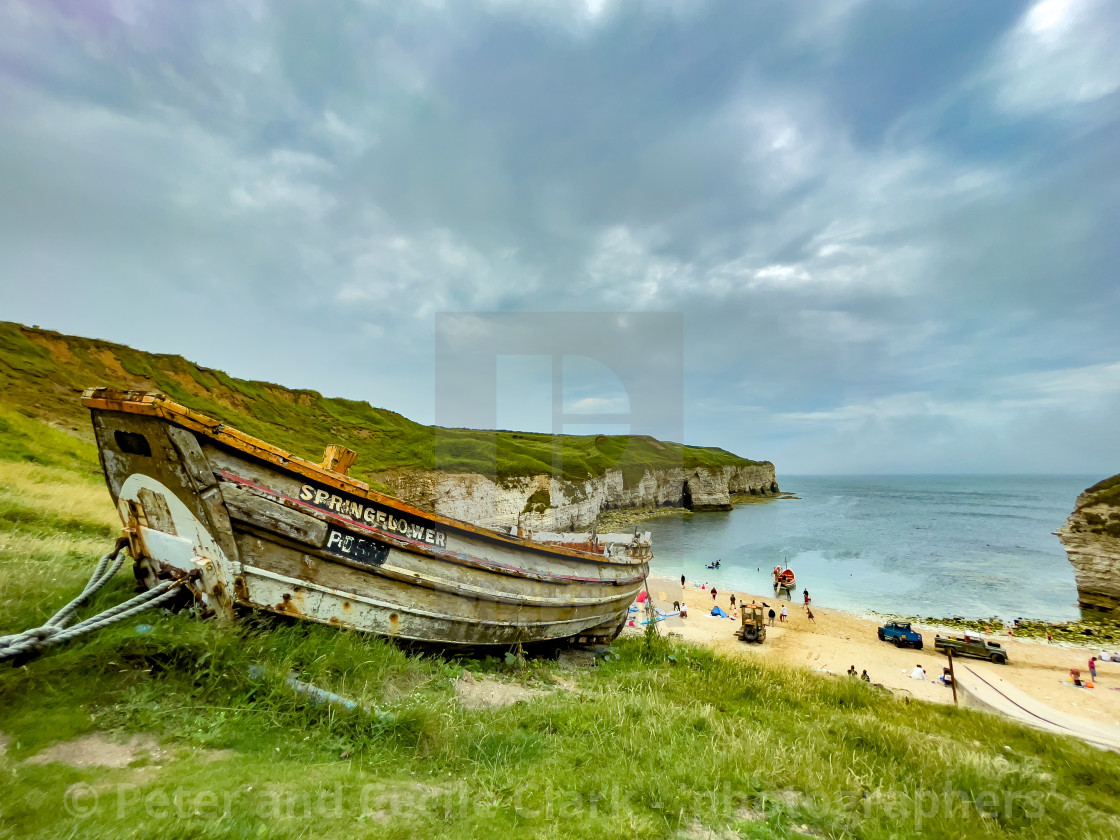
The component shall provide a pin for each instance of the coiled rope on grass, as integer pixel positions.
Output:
(55, 631)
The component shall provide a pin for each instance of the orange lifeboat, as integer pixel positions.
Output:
(784, 581)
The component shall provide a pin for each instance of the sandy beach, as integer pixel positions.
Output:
(836, 640)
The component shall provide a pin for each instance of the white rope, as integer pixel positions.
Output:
(54, 630)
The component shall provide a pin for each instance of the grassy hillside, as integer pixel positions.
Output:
(662, 741)
(43, 373)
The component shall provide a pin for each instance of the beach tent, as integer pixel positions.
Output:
(719, 612)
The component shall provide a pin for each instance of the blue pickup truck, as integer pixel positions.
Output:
(901, 634)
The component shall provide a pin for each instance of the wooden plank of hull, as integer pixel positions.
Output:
(393, 608)
(418, 576)
(424, 572)
(483, 605)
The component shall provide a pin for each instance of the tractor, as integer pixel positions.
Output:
(754, 626)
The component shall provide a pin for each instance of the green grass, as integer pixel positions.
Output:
(43, 373)
(25, 439)
(660, 740)
(649, 747)
(1105, 493)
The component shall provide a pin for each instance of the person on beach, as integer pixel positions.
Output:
(806, 594)
(852, 672)
(864, 676)
(676, 606)
(1075, 676)
(1093, 668)
(684, 610)
(809, 614)
(732, 600)
(785, 612)
(714, 593)
(919, 673)
(682, 581)
(771, 616)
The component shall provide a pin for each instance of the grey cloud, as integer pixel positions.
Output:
(851, 203)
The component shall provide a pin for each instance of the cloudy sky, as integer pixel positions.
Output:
(890, 228)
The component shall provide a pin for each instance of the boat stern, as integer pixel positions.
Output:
(168, 501)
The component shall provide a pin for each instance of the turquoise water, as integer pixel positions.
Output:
(974, 546)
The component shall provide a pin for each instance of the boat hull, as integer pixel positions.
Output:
(254, 527)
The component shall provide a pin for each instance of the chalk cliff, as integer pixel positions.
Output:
(1091, 537)
(546, 504)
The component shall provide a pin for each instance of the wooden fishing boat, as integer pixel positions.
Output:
(785, 581)
(249, 525)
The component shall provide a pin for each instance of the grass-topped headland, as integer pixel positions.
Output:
(43, 373)
(1106, 493)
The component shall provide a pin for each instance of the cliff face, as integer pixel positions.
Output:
(1091, 537)
(547, 504)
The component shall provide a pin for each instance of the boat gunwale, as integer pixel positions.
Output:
(154, 405)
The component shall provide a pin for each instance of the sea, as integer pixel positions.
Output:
(926, 546)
